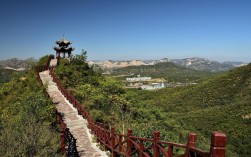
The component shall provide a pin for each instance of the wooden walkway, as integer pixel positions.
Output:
(75, 122)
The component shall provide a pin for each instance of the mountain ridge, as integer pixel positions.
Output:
(17, 64)
(197, 63)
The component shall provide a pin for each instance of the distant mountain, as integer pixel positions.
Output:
(152, 62)
(121, 64)
(196, 63)
(116, 64)
(17, 64)
(206, 65)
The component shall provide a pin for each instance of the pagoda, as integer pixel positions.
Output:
(63, 47)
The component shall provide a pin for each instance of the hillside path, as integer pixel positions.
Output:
(75, 122)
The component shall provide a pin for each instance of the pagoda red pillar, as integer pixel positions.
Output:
(58, 54)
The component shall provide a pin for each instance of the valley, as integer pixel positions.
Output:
(217, 102)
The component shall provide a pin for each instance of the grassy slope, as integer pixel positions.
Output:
(217, 104)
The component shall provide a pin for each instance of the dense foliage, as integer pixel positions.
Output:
(27, 123)
(221, 103)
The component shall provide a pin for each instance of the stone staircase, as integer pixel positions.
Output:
(75, 122)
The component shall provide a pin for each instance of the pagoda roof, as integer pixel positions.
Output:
(63, 41)
(63, 49)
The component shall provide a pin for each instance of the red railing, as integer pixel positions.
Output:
(62, 132)
(128, 145)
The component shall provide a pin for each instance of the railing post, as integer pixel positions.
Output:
(106, 137)
(170, 151)
(97, 132)
(120, 143)
(129, 143)
(141, 147)
(91, 127)
(62, 136)
(103, 133)
(191, 142)
(156, 138)
(113, 141)
(218, 144)
(62, 133)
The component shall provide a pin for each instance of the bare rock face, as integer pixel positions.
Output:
(117, 64)
(136, 63)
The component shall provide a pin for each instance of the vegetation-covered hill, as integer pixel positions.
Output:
(221, 103)
(27, 123)
(14, 65)
(166, 70)
(18, 63)
(7, 74)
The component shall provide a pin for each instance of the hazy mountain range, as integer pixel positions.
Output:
(193, 63)
(17, 64)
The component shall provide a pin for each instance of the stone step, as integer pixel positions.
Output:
(73, 123)
(72, 127)
(75, 126)
(69, 113)
(53, 88)
(66, 110)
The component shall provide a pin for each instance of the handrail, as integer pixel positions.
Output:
(66, 138)
(132, 144)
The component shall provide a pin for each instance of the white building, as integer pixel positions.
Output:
(153, 86)
(134, 79)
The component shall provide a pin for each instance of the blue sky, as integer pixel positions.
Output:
(128, 29)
